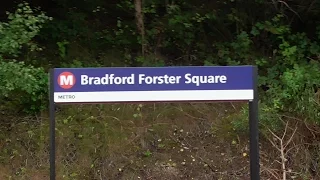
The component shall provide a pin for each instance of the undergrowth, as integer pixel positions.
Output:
(160, 141)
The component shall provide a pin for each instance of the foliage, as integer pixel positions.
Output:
(290, 77)
(23, 25)
(22, 86)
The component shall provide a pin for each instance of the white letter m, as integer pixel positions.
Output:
(66, 80)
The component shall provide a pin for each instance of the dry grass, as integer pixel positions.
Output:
(163, 141)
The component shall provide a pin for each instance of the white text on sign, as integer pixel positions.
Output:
(143, 79)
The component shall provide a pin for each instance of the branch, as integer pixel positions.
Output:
(282, 148)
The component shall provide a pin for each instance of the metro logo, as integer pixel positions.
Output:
(66, 80)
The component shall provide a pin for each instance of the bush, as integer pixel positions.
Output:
(21, 85)
(289, 80)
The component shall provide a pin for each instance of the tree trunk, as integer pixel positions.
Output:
(140, 23)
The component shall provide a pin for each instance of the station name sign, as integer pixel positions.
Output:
(143, 84)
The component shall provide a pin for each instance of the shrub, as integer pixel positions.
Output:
(288, 81)
(21, 84)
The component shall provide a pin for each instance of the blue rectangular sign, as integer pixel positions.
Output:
(134, 84)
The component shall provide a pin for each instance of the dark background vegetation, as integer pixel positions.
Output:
(144, 141)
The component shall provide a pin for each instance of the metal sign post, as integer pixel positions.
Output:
(157, 84)
(52, 127)
(254, 130)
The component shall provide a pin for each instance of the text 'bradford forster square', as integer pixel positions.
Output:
(144, 79)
